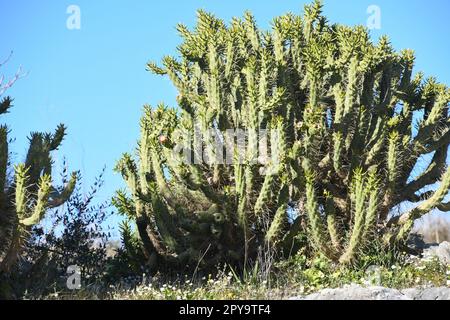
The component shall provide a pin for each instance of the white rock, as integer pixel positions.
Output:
(441, 251)
(357, 292)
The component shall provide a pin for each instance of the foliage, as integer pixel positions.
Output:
(310, 275)
(129, 260)
(75, 235)
(296, 276)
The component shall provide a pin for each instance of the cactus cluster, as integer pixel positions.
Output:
(26, 190)
(349, 124)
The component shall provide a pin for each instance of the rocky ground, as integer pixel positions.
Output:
(358, 292)
(441, 251)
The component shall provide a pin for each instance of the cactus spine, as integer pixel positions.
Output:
(343, 109)
(26, 196)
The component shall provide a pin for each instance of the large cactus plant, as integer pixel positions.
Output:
(26, 190)
(348, 124)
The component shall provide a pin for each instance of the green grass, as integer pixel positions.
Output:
(293, 277)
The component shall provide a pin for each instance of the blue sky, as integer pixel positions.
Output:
(94, 79)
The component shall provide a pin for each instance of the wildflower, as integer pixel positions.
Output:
(421, 267)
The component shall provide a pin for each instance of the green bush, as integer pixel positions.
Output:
(75, 235)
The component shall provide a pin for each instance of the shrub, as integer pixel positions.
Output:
(76, 235)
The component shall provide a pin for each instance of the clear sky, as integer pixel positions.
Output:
(94, 79)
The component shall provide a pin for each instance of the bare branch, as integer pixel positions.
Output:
(7, 59)
(19, 74)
